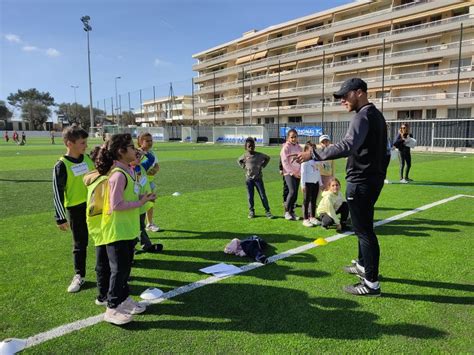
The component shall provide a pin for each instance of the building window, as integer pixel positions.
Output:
(433, 66)
(295, 119)
(259, 121)
(462, 113)
(431, 113)
(435, 18)
(269, 119)
(292, 102)
(465, 62)
(409, 114)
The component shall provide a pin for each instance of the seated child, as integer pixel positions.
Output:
(331, 205)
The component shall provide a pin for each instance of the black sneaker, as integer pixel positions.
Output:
(251, 214)
(354, 270)
(269, 215)
(361, 289)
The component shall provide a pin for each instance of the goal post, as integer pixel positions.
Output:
(188, 135)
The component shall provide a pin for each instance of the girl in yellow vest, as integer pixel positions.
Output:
(145, 143)
(119, 227)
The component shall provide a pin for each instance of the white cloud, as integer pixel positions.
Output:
(51, 52)
(10, 37)
(160, 63)
(29, 48)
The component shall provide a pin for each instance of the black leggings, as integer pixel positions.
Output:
(343, 210)
(293, 184)
(405, 157)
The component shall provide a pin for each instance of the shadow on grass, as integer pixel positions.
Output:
(432, 284)
(417, 227)
(228, 236)
(276, 310)
(443, 183)
(20, 181)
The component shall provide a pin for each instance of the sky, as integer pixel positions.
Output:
(145, 42)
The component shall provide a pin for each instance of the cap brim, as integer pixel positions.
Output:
(339, 94)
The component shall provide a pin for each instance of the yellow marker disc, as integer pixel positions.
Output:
(320, 242)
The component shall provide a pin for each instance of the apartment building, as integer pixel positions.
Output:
(166, 110)
(407, 51)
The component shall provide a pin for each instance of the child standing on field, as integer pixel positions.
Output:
(253, 162)
(310, 183)
(120, 226)
(333, 204)
(326, 168)
(70, 194)
(145, 143)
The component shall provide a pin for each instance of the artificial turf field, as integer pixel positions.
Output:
(295, 305)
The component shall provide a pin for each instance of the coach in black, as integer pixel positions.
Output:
(365, 145)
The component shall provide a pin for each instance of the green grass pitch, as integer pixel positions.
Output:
(295, 305)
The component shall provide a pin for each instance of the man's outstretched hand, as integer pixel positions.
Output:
(303, 156)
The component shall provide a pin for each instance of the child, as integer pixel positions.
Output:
(5, 135)
(332, 204)
(253, 162)
(326, 168)
(70, 193)
(145, 143)
(120, 226)
(140, 167)
(291, 172)
(310, 183)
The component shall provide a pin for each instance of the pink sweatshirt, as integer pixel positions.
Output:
(287, 154)
(117, 183)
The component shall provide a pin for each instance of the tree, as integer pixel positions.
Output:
(34, 106)
(5, 113)
(76, 113)
(127, 118)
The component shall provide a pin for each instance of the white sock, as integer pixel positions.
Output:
(373, 285)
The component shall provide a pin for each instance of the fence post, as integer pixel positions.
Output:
(432, 136)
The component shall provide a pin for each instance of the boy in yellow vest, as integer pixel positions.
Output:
(70, 193)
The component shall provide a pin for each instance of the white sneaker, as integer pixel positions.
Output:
(315, 221)
(131, 307)
(403, 181)
(117, 316)
(76, 283)
(288, 216)
(307, 223)
(152, 227)
(100, 303)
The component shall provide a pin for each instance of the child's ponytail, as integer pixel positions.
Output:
(111, 151)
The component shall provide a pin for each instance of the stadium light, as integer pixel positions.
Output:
(87, 28)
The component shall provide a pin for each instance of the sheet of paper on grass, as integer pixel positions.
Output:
(221, 270)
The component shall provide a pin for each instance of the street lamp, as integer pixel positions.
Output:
(75, 100)
(116, 100)
(88, 28)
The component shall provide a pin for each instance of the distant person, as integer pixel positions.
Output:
(15, 136)
(332, 205)
(365, 146)
(310, 183)
(23, 138)
(403, 143)
(6, 137)
(52, 137)
(70, 193)
(254, 162)
(291, 172)
(326, 168)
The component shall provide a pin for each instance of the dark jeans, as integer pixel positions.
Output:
(145, 241)
(258, 184)
(309, 201)
(405, 158)
(120, 261)
(102, 270)
(343, 210)
(80, 237)
(285, 190)
(293, 184)
(361, 198)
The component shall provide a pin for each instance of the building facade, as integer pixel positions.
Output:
(177, 110)
(407, 51)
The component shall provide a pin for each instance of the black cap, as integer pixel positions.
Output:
(350, 85)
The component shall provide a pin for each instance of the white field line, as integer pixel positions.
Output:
(87, 322)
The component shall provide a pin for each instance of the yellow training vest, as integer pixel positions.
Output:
(76, 192)
(121, 225)
(94, 222)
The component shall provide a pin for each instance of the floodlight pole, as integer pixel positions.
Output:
(88, 28)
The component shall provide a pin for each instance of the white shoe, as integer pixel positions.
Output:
(315, 221)
(288, 216)
(100, 303)
(152, 227)
(307, 223)
(117, 316)
(403, 181)
(131, 307)
(76, 283)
